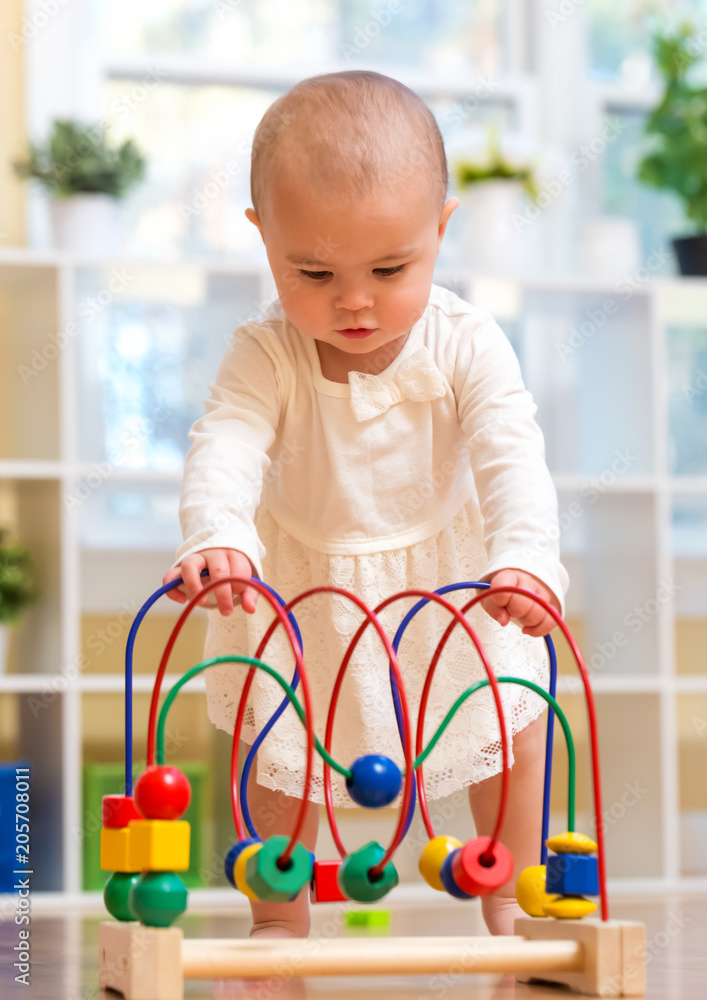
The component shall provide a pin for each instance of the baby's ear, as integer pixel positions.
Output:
(251, 216)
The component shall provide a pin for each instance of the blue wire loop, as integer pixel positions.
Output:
(129, 646)
(295, 681)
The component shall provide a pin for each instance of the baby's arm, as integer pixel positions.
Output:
(516, 494)
(225, 472)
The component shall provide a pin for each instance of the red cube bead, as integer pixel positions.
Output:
(325, 886)
(117, 811)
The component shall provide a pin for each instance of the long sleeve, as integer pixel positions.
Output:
(516, 494)
(228, 462)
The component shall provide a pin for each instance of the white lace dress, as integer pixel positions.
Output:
(428, 473)
(469, 750)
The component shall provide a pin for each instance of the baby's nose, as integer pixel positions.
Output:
(353, 297)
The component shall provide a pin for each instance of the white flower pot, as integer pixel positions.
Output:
(491, 242)
(86, 223)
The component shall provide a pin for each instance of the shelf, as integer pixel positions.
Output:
(542, 282)
(623, 533)
(115, 683)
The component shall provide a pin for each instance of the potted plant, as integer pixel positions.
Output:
(676, 155)
(85, 177)
(492, 173)
(17, 587)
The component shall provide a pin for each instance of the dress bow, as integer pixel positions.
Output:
(416, 378)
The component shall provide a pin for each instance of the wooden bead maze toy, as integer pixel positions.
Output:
(144, 842)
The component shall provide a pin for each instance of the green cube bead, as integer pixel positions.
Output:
(158, 898)
(268, 881)
(368, 918)
(354, 880)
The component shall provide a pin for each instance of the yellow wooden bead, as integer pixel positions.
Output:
(433, 854)
(569, 907)
(239, 870)
(117, 850)
(571, 843)
(530, 891)
(159, 845)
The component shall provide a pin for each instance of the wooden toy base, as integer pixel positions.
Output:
(148, 963)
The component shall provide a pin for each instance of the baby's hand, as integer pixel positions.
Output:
(220, 563)
(530, 615)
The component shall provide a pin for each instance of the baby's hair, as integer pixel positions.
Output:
(352, 132)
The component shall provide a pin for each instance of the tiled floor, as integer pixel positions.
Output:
(64, 956)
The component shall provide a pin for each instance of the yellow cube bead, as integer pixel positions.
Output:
(116, 850)
(569, 907)
(160, 845)
(571, 843)
(433, 854)
(239, 872)
(530, 891)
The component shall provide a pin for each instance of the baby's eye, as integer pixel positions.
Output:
(385, 272)
(316, 275)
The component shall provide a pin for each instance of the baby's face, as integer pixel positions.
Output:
(351, 265)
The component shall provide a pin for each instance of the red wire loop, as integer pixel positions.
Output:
(282, 616)
(591, 713)
(371, 617)
(430, 595)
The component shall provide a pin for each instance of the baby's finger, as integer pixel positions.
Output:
(506, 578)
(499, 615)
(219, 569)
(240, 566)
(519, 607)
(176, 593)
(191, 574)
(542, 628)
(534, 616)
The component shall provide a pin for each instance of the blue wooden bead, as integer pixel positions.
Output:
(572, 875)
(375, 781)
(447, 878)
(234, 852)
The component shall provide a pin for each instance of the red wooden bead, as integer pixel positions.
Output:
(162, 793)
(117, 811)
(476, 878)
(325, 886)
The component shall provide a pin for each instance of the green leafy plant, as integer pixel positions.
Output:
(77, 159)
(676, 156)
(495, 162)
(17, 586)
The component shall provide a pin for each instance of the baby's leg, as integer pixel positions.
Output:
(522, 827)
(276, 813)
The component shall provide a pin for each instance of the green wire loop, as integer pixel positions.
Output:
(551, 702)
(174, 691)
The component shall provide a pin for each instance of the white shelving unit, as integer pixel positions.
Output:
(634, 536)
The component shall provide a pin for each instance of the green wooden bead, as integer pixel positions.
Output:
(354, 878)
(116, 894)
(158, 898)
(268, 881)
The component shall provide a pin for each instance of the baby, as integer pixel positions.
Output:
(371, 432)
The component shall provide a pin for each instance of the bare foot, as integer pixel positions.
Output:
(276, 929)
(500, 913)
